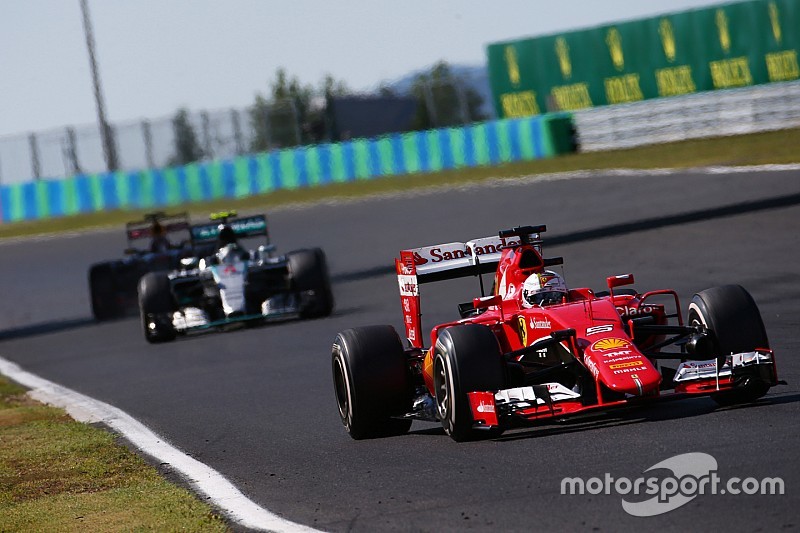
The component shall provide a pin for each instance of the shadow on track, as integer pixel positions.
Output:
(42, 328)
(616, 230)
(688, 408)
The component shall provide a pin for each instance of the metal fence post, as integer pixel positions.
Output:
(206, 125)
(73, 165)
(36, 165)
(147, 136)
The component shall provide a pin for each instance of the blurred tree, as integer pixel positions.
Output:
(187, 148)
(444, 99)
(293, 114)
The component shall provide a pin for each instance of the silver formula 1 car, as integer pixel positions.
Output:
(233, 285)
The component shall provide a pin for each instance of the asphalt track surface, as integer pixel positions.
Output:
(258, 406)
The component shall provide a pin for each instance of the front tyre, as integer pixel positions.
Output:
(732, 315)
(370, 379)
(157, 306)
(309, 271)
(467, 358)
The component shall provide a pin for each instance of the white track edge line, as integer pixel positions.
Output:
(202, 478)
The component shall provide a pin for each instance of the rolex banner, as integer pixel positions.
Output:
(728, 46)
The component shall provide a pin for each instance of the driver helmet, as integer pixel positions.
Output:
(543, 288)
(226, 235)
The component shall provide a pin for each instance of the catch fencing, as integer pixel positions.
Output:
(219, 134)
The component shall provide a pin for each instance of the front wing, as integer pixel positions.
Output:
(279, 307)
(553, 400)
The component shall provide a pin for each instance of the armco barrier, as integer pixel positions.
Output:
(488, 143)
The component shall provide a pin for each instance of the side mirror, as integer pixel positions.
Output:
(619, 281)
(487, 301)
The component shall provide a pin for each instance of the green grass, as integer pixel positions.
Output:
(754, 149)
(60, 475)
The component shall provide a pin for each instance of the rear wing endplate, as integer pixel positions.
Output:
(143, 229)
(251, 226)
(450, 261)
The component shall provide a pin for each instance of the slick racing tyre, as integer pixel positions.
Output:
(309, 271)
(157, 306)
(467, 358)
(102, 293)
(370, 379)
(731, 314)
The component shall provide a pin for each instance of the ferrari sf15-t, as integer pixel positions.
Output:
(511, 359)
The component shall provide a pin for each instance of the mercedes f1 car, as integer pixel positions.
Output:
(112, 284)
(534, 350)
(233, 285)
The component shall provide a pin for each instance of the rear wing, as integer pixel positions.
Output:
(143, 229)
(451, 261)
(252, 226)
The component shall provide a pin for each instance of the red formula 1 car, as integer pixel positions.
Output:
(535, 350)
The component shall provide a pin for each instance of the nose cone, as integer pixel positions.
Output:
(621, 367)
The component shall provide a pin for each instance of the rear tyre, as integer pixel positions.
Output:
(102, 293)
(157, 306)
(732, 315)
(370, 379)
(309, 270)
(467, 358)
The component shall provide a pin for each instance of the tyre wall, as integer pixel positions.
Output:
(482, 144)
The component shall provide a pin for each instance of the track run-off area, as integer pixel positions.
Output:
(257, 405)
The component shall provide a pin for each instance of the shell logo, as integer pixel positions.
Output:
(611, 343)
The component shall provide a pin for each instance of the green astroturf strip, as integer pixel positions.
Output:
(480, 144)
(548, 149)
(410, 152)
(70, 196)
(123, 190)
(434, 150)
(17, 202)
(385, 154)
(172, 185)
(526, 142)
(265, 182)
(338, 172)
(241, 177)
(289, 175)
(42, 200)
(147, 192)
(361, 155)
(457, 144)
(96, 192)
(215, 177)
(314, 169)
(193, 187)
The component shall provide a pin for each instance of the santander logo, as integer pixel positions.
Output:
(418, 259)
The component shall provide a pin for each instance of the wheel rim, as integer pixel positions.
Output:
(695, 318)
(442, 389)
(342, 389)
